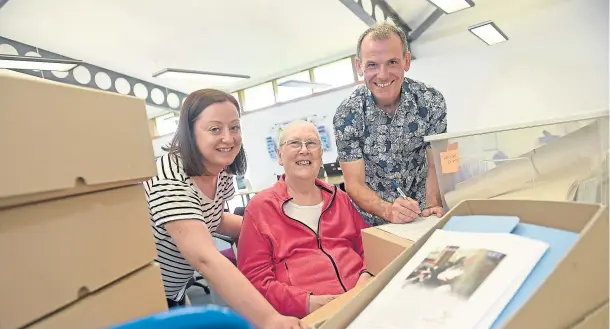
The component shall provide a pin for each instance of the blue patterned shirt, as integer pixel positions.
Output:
(392, 147)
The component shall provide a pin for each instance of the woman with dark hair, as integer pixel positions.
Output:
(186, 205)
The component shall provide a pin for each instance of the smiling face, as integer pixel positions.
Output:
(383, 64)
(300, 151)
(217, 134)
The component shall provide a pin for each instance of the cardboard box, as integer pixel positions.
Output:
(62, 140)
(381, 248)
(54, 252)
(598, 319)
(137, 295)
(577, 287)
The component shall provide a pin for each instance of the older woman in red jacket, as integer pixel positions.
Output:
(300, 244)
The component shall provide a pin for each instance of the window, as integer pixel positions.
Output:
(236, 95)
(336, 74)
(259, 96)
(166, 124)
(286, 93)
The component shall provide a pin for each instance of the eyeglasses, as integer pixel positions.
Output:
(311, 145)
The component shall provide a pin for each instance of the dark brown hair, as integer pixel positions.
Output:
(183, 144)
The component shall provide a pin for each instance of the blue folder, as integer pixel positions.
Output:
(559, 242)
(482, 224)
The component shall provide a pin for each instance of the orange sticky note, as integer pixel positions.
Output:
(450, 159)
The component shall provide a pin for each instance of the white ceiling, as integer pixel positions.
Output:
(139, 37)
(264, 39)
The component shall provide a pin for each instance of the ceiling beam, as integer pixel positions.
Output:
(92, 76)
(2, 3)
(380, 12)
(436, 14)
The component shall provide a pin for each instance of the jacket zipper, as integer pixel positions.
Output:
(287, 272)
(318, 237)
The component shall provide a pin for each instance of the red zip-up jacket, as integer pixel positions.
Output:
(287, 261)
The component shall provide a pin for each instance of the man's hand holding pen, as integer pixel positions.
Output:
(403, 210)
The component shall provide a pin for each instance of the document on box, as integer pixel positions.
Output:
(456, 280)
(412, 231)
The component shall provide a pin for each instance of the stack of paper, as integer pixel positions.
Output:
(456, 280)
(414, 230)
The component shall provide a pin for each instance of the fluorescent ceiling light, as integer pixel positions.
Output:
(200, 76)
(37, 63)
(488, 32)
(302, 84)
(451, 6)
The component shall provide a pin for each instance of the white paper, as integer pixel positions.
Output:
(412, 231)
(457, 280)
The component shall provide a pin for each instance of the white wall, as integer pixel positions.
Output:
(555, 64)
(256, 127)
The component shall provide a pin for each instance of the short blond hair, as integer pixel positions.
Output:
(383, 31)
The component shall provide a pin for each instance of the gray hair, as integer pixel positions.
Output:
(383, 31)
(281, 138)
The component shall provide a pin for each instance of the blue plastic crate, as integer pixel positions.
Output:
(192, 317)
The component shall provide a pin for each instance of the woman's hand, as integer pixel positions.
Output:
(315, 302)
(364, 277)
(279, 321)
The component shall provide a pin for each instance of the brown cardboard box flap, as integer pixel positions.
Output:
(578, 285)
(134, 296)
(57, 135)
(53, 252)
(381, 248)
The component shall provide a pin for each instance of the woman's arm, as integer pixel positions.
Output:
(196, 245)
(230, 225)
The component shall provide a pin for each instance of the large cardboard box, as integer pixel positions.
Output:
(598, 319)
(60, 140)
(56, 251)
(381, 248)
(137, 295)
(576, 288)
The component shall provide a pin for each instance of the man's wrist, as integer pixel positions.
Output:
(387, 211)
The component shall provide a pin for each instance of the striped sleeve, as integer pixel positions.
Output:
(170, 200)
(227, 187)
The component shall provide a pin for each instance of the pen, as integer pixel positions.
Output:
(402, 194)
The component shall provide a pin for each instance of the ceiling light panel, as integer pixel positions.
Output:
(213, 78)
(451, 6)
(36, 63)
(488, 32)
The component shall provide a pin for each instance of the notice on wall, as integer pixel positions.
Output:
(450, 159)
(274, 133)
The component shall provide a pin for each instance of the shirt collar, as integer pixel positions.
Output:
(370, 101)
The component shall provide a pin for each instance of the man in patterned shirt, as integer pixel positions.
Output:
(380, 131)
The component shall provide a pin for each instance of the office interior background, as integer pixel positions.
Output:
(290, 59)
(286, 60)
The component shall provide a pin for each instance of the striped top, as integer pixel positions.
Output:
(171, 196)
